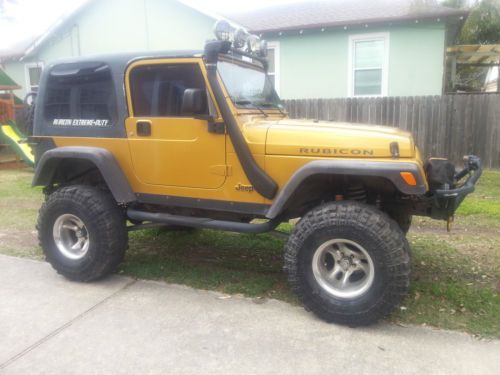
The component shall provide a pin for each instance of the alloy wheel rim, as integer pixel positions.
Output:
(71, 236)
(343, 268)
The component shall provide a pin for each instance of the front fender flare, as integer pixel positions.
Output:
(103, 160)
(387, 170)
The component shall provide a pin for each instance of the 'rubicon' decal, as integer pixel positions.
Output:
(335, 151)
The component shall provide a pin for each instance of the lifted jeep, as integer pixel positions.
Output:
(199, 139)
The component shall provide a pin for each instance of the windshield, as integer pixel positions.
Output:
(248, 85)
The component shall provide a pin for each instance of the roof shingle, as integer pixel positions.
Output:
(323, 13)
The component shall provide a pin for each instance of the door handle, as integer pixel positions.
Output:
(143, 128)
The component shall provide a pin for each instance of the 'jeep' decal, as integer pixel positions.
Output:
(335, 151)
(246, 188)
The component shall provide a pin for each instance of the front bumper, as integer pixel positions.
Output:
(446, 201)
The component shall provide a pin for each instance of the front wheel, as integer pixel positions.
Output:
(402, 217)
(348, 262)
(82, 232)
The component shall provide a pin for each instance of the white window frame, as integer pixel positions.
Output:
(275, 45)
(29, 87)
(385, 64)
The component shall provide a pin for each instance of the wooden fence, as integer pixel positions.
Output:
(443, 126)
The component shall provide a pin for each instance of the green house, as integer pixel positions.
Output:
(346, 48)
(318, 49)
(111, 26)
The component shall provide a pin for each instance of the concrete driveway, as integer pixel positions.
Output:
(49, 325)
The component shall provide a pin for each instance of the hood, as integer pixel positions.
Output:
(335, 139)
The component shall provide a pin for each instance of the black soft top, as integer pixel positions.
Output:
(119, 61)
(116, 64)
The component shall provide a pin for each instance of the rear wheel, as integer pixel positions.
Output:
(348, 262)
(82, 232)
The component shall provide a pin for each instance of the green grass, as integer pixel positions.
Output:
(455, 282)
(451, 288)
(230, 263)
(486, 200)
(19, 204)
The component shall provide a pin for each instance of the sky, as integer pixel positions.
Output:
(24, 19)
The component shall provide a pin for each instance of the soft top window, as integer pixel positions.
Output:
(158, 90)
(80, 94)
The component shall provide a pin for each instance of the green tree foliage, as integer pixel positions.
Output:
(482, 25)
(455, 3)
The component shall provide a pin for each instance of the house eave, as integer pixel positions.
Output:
(10, 58)
(458, 16)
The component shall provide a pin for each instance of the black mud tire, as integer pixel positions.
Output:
(104, 221)
(403, 218)
(382, 239)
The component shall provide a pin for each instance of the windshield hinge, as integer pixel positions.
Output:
(216, 127)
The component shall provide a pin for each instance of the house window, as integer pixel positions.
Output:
(368, 56)
(273, 56)
(33, 72)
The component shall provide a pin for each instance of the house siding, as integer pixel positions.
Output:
(316, 64)
(312, 65)
(107, 26)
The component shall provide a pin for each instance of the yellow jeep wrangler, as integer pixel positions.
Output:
(200, 139)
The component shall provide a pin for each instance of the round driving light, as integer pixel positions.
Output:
(223, 31)
(240, 38)
(262, 51)
(253, 43)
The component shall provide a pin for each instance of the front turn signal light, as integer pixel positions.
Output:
(409, 178)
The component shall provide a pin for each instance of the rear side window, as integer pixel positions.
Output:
(158, 90)
(80, 94)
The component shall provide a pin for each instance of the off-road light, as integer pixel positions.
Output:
(253, 42)
(262, 51)
(224, 31)
(240, 38)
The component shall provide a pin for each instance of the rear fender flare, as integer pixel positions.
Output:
(103, 160)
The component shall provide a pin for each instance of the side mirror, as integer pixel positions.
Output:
(194, 101)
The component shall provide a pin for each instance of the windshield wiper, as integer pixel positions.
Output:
(273, 105)
(248, 102)
(242, 102)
